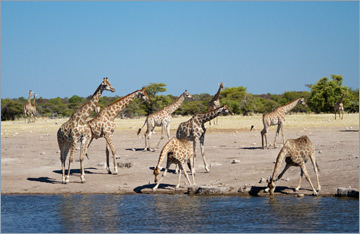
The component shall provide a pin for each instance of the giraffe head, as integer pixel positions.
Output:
(271, 186)
(302, 101)
(221, 85)
(105, 85)
(187, 95)
(143, 95)
(227, 110)
(156, 173)
(35, 95)
(30, 92)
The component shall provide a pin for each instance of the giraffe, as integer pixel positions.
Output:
(103, 124)
(277, 117)
(162, 118)
(194, 130)
(177, 152)
(33, 104)
(214, 103)
(339, 106)
(295, 152)
(74, 130)
(28, 108)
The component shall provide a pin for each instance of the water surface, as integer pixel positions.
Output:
(176, 213)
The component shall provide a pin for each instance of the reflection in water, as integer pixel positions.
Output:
(176, 213)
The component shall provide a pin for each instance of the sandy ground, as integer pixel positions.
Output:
(30, 159)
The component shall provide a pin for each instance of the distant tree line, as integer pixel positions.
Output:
(320, 99)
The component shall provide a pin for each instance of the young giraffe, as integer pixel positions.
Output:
(295, 152)
(162, 118)
(339, 106)
(194, 130)
(177, 152)
(214, 103)
(103, 124)
(74, 130)
(277, 117)
(28, 108)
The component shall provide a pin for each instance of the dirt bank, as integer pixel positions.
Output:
(30, 161)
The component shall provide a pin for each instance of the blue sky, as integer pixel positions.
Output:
(59, 49)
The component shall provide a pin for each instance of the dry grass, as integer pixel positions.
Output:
(226, 123)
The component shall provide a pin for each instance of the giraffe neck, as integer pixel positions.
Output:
(174, 106)
(85, 110)
(29, 99)
(33, 103)
(217, 95)
(119, 105)
(205, 117)
(164, 153)
(288, 107)
(278, 163)
(341, 99)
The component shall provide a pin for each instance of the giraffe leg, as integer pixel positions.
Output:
(148, 134)
(315, 193)
(84, 145)
(277, 133)
(287, 166)
(312, 158)
(71, 159)
(64, 150)
(107, 158)
(113, 151)
(185, 173)
(162, 177)
(179, 176)
(282, 134)
(191, 169)
(162, 135)
(264, 138)
(194, 150)
(202, 140)
(300, 178)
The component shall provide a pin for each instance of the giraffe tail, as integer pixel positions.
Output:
(141, 127)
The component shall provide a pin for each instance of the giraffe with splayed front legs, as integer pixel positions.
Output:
(277, 117)
(28, 108)
(295, 152)
(178, 152)
(74, 130)
(162, 118)
(103, 124)
(214, 103)
(194, 130)
(339, 106)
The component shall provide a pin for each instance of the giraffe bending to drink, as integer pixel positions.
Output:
(277, 117)
(103, 124)
(28, 108)
(339, 106)
(194, 130)
(178, 152)
(74, 130)
(162, 118)
(214, 103)
(295, 152)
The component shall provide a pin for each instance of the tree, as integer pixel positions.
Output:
(325, 93)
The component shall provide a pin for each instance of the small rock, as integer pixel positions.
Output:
(347, 192)
(215, 164)
(254, 143)
(102, 164)
(42, 153)
(133, 149)
(127, 165)
(320, 152)
(262, 180)
(213, 190)
(235, 161)
(58, 151)
(299, 195)
(244, 189)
